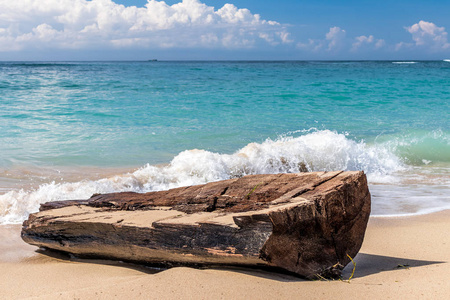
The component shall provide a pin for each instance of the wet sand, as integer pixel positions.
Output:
(401, 258)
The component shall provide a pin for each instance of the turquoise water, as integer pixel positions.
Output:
(75, 128)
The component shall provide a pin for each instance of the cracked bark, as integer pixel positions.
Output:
(305, 223)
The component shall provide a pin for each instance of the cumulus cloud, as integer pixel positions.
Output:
(367, 41)
(335, 37)
(334, 41)
(311, 45)
(427, 34)
(403, 45)
(97, 24)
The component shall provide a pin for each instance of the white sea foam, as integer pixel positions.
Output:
(409, 199)
(447, 60)
(313, 151)
(404, 62)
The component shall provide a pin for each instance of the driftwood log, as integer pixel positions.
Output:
(307, 223)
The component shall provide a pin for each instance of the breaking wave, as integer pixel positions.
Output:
(313, 150)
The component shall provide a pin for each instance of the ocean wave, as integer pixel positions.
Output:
(313, 150)
(404, 62)
(417, 148)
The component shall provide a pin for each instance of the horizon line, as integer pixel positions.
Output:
(234, 60)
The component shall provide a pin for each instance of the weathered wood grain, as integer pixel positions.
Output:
(305, 223)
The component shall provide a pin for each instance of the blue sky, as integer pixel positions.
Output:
(216, 29)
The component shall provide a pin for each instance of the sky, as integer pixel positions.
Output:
(224, 30)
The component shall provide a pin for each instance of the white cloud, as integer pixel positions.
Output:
(335, 37)
(311, 45)
(403, 45)
(284, 36)
(427, 34)
(367, 41)
(380, 43)
(98, 24)
(279, 37)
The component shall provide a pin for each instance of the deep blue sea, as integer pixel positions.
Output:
(71, 129)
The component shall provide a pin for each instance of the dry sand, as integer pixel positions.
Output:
(401, 258)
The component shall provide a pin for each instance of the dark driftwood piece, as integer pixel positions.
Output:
(307, 223)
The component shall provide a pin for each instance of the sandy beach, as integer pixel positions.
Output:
(401, 258)
(103, 101)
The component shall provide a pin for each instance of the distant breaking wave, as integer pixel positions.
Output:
(313, 151)
(404, 62)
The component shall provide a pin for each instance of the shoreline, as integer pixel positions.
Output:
(401, 257)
